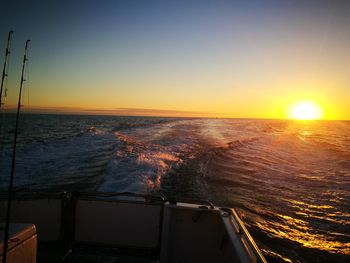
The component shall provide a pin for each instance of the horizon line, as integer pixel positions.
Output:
(142, 112)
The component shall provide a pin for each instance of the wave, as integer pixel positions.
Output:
(289, 179)
(66, 164)
(139, 166)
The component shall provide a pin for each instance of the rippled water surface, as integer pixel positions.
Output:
(290, 180)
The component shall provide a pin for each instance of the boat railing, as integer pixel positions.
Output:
(130, 220)
(240, 237)
(204, 203)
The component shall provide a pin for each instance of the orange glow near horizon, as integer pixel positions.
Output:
(171, 60)
(313, 108)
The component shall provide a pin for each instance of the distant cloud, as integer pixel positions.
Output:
(118, 112)
(149, 112)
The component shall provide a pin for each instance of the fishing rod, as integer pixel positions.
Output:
(9, 195)
(4, 70)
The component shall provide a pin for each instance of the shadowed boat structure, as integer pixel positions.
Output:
(127, 227)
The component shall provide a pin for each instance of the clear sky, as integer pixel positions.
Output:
(204, 58)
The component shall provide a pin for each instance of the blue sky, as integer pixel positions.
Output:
(236, 58)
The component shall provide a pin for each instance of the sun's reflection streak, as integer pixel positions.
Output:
(295, 228)
(276, 255)
(320, 212)
(296, 231)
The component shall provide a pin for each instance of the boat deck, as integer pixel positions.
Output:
(94, 255)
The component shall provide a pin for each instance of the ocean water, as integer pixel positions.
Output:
(290, 180)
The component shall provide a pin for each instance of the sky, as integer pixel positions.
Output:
(246, 59)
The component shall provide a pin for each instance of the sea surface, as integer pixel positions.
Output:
(290, 180)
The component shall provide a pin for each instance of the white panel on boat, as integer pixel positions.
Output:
(184, 226)
(22, 243)
(118, 223)
(45, 214)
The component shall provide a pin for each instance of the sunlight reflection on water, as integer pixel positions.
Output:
(299, 231)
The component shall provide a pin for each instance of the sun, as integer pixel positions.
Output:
(306, 110)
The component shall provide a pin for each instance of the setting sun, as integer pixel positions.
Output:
(306, 110)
